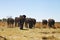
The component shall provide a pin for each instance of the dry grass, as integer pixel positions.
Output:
(30, 34)
(37, 33)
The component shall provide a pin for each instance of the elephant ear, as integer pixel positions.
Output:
(24, 16)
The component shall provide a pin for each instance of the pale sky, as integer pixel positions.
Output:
(38, 9)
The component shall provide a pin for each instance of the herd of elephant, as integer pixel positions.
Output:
(22, 19)
(50, 22)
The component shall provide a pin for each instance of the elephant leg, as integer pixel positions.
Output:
(18, 24)
(8, 25)
(26, 25)
(21, 26)
(33, 25)
(15, 24)
(30, 26)
(49, 25)
(12, 25)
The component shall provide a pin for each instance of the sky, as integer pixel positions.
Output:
(38, 9)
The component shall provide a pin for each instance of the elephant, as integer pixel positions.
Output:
(44, 22)
(4, 19)
(34, 22)
(31, 22)
(10, 22)
(17, 21)
(22, 20)
(0, 20)
(51, 22)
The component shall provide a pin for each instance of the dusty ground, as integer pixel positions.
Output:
(37, 33)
